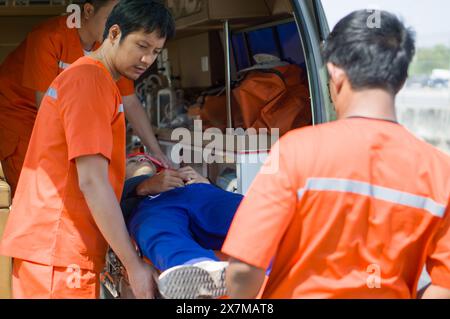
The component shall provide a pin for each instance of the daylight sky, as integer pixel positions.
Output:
(430, 18)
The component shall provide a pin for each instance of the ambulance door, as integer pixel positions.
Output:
(313, 29)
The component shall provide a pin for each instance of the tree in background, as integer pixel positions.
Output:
(429, 59)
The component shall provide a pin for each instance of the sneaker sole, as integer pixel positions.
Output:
(190, 282)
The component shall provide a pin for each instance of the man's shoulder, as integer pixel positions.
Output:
(52, 28)
(309, 135)
(87, 73)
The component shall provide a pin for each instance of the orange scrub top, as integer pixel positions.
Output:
(48, 49)
(50, 222)
(354, 209)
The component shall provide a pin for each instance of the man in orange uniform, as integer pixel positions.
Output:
(28, 71)
(66, 210)
(358, 206)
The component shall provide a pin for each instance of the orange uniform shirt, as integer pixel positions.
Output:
(47, 50)
(50, 222)
(355, 210)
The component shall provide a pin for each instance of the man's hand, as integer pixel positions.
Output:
(160, 183)
(190, 176)
(140, 122)
(163, 159)
(143, 278)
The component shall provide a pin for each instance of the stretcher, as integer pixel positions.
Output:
(114, 278)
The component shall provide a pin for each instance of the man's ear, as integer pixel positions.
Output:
(88, 11)
(337, 76)
(115, 34)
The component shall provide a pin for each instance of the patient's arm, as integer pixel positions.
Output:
(159, 183)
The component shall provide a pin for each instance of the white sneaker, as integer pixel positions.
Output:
(204, 280)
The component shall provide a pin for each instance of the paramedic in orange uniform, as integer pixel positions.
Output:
(66, 210)
(356, 207)
(28, 71)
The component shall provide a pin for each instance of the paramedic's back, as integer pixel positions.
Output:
(357, 206)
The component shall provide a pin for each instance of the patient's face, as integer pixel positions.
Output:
(139, 165)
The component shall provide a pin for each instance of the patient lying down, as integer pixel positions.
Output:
(178, 220)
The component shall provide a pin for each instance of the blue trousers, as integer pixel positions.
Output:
(184, 225)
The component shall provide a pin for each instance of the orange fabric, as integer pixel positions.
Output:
(12, 157)
(35, 281)
(268, 100)
(332, 243)
(50, 222)
(214, 112)
(47, 50)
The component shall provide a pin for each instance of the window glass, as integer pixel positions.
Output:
(240, 51)
(263, 41)
(282, 41)
(290, 43)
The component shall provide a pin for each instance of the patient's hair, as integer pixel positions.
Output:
(372, 57)
(135, 15)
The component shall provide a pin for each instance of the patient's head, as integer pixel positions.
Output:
(139, 164)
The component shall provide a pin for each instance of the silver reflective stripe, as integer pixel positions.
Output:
(52, 93)
(121, 108)
(63, 65)
(378, 192)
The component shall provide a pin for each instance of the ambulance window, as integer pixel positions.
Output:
(240, 51)
(423, 106)
(290, 43)
(281, 40)
(263, 41)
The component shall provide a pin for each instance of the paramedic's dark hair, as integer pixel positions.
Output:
(377, 57)
(147, 15)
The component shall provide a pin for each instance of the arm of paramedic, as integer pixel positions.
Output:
(135, 113)
(41, 63)
(438, 262)
(261, 221)
(102, 202)
(245, 281)
(39, 97)
(435, 292)
(162, 182)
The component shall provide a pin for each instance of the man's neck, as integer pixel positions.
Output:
(101, 56)
(376, 104)
(87, 42)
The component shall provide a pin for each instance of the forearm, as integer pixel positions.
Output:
(141, 124)
(147, 188)
(107, 215)
(435, 292)
(243, 281)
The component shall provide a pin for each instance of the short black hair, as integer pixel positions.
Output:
(136, 15)
(375, 56)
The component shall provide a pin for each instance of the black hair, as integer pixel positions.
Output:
(372, 56)
(147, 15)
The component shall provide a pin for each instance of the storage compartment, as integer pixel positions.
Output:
(5, 262)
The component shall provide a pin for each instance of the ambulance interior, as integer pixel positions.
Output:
(233, 64)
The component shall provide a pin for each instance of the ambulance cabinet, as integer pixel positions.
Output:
(5, 262)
